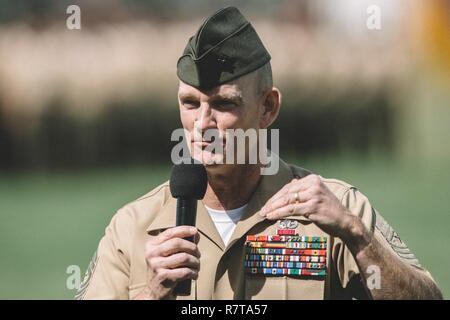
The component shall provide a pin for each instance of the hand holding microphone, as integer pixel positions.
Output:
(172, 256)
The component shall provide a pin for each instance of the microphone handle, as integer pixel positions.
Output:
(186, 214)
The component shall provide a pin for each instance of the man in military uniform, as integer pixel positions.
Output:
(292, 235)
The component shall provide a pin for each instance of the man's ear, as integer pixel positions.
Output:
(271, 107)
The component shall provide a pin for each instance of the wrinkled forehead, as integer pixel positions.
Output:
(225, 90)
(242, 87)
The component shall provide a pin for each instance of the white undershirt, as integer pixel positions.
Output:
(226, 220)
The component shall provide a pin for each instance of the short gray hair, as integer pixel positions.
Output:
(264, 79)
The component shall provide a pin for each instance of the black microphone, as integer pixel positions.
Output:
(188, 184)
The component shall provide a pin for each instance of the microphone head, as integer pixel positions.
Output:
(188, 181)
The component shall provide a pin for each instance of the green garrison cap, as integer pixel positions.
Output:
(225, 47)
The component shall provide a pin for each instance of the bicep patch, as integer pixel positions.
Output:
(395, 242)
(87, 277)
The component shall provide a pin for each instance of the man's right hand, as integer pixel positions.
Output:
(170, 259)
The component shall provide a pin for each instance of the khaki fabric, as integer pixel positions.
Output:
(119, 271)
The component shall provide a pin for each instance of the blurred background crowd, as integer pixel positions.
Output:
(86, 116)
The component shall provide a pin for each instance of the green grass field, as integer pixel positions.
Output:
(50, 221)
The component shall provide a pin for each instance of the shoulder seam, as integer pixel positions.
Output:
(152, 193)
(341, 183)
(346, 191)
(146, 196)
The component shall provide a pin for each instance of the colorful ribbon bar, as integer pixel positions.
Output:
(283, 238)
(287, 265)
(285, 245)
(309, 252)
(262, 257)
(297, 245)
(286, 232)
(255, 257)
(283, 271)
(286, 254)
(256, 250)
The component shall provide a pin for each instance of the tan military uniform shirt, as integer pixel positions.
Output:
(118, 270)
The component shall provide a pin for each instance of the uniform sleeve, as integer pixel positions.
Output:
(346, 267)
(107, 276)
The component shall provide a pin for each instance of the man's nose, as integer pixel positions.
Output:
(205, 118)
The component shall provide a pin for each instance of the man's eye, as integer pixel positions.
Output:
(225, 105)
(190, 104)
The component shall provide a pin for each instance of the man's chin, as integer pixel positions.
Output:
(210, 161)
